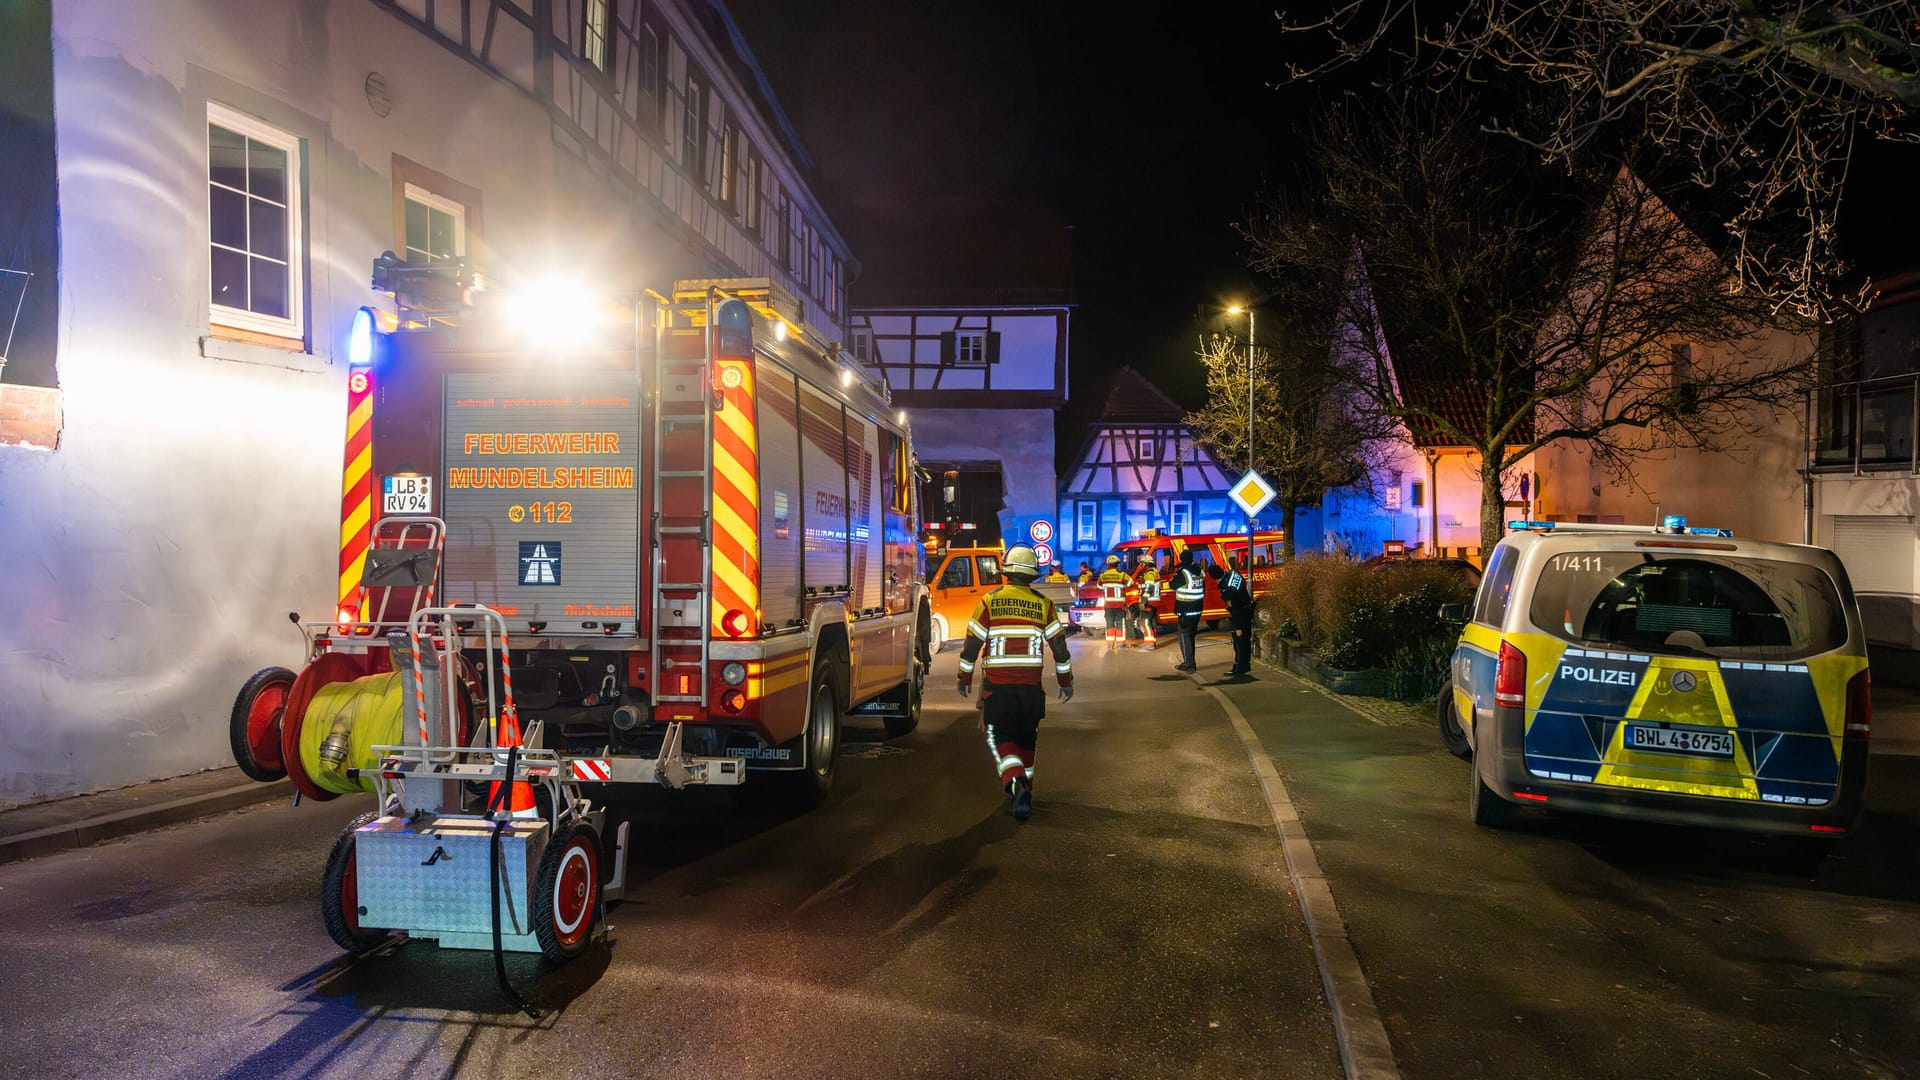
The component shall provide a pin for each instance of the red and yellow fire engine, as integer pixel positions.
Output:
(692, 516)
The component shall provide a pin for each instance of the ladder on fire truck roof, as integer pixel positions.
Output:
(683, 506)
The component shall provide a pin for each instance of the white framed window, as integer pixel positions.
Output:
(1148, 450)
(970, 347)
(255, 255)
(436, 227)
(1086, 528)
(1180, 517)
(863, 344)
(596, 35)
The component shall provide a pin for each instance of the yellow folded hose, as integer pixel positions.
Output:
(373, 710)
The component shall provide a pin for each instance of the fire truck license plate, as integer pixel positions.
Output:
(406, 495)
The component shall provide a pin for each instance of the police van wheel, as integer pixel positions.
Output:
(340, 894)
(1489, 810)
(938, 640)
(1451, 733)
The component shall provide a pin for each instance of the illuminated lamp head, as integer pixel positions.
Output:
(736, 623)
(346, 617)
(733, 701)
(360, 339)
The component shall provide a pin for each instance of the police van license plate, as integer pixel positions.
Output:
(1680, 741)
(406, 495)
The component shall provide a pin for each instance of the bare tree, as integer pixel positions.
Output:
(1500, 317)
(1760, 101)
(1309, 437)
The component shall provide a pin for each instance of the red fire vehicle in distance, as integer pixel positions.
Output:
(1164, 551)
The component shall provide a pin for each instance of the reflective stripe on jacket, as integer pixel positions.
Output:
(1113, 589)
(1009, 636)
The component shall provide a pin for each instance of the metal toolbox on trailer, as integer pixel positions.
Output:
(431, 880)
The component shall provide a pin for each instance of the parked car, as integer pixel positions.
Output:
(960, 576)
(1667, 673)
(1466, 569)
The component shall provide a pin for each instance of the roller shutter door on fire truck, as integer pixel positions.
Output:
(541, 499)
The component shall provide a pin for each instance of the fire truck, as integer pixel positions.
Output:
(669, 542)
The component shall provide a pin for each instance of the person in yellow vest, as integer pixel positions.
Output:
(1150, 605)
(1113, 600)
(1086, 575)
(1059, 573)
(1015, 627)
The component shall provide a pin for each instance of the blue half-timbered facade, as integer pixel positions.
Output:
(1140, 469)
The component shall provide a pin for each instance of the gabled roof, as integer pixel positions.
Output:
(1456, 396)
(1132, 399)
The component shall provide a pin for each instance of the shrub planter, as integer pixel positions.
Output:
(1291, 655)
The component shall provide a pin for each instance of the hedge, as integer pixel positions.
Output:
(1356, 617)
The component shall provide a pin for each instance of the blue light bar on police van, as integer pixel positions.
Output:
(1543, 526)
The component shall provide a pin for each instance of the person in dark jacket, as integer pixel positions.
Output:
(1189, 599)
(1237, 590)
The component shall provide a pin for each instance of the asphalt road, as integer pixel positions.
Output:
(1581, 947)
(1140, 925)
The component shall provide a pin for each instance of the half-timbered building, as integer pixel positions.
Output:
(983, 372)
(1140, 469)
(193, 196)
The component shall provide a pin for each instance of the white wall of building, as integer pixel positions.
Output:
(194, 497)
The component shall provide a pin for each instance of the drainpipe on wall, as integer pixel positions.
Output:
(1806, 479)
(1433, 503)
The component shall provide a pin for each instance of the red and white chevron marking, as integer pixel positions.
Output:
(592, 769)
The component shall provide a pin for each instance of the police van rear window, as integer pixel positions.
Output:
(1689, 603)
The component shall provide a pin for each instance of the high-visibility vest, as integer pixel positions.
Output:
(1113, 589)
(1014, 627)
(1150, 587)
(1189, 588)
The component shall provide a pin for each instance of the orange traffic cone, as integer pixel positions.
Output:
(520, 800)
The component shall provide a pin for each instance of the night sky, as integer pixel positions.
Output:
(954, 141)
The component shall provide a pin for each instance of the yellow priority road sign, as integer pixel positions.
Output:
(1251, 492)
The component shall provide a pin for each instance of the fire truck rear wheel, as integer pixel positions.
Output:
(823, 739)
(566, 894)
(253, 728)
(914, 689)
(340, 894)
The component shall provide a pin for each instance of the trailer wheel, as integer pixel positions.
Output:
(566, 894)
(340, 894)
(823, 739)
(253, 728)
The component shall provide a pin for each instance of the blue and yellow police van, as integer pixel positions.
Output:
(1668, 673)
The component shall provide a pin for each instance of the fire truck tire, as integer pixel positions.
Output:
(913, 690)
(822, 740)
(1214, 624)
(566, 894)
(340, 894)
(254, 725)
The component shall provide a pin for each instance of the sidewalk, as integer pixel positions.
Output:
(37, 829)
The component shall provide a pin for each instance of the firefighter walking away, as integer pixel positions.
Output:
(1008, 638)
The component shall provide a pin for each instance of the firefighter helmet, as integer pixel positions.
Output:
(1021, 560)
(1113, 560)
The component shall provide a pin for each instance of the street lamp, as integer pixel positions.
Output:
(1248, 310)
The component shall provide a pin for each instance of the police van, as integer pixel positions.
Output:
(1668, 673)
